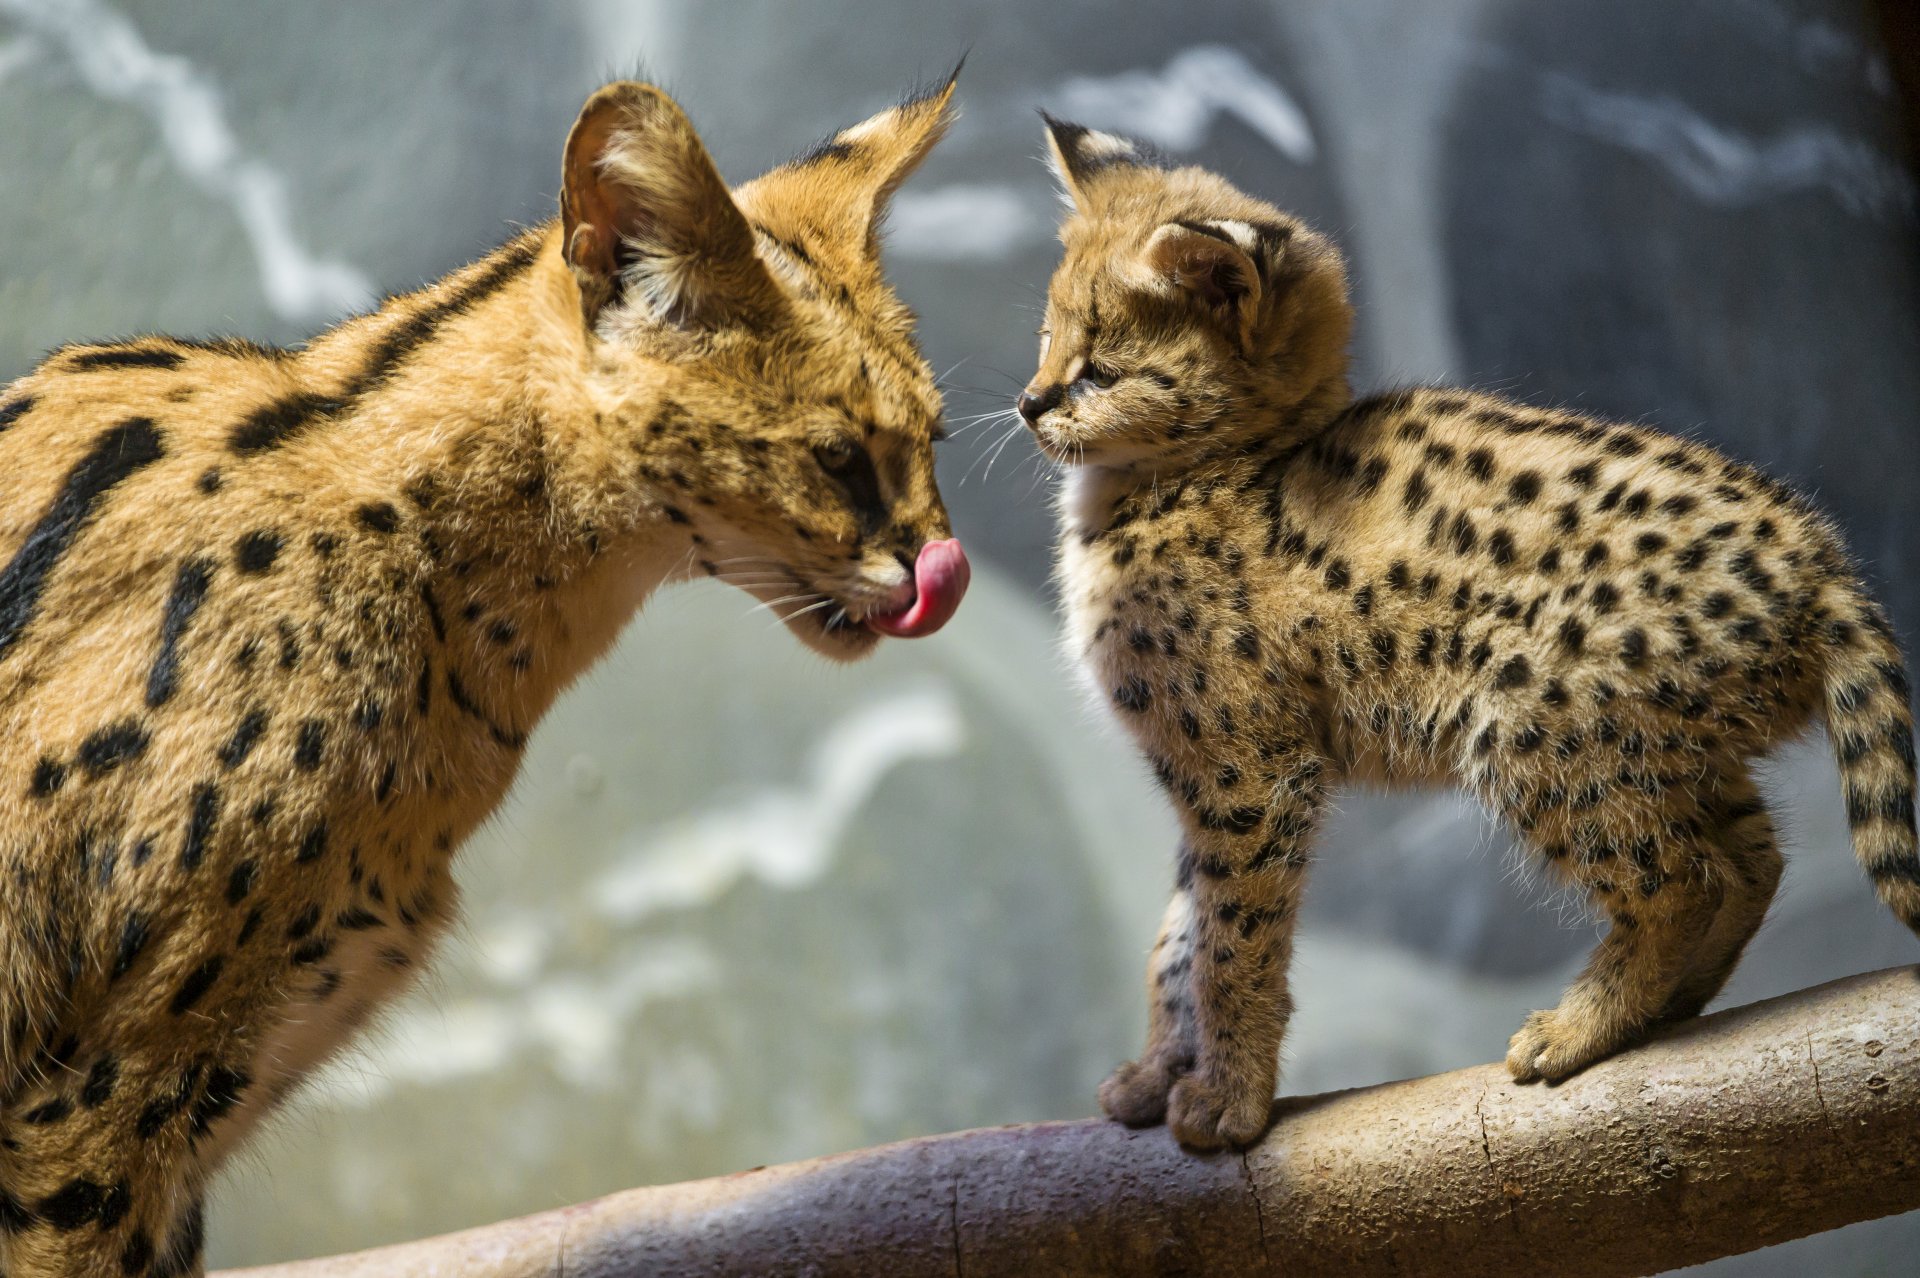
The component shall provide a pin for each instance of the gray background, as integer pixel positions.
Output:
(855, 906)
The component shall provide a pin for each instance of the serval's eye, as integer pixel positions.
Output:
(836, 456)
(938, 431)
(1046, 343)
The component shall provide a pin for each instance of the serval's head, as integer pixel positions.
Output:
(792, 443)
(1185, 315)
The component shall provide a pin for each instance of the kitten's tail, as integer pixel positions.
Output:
(1870, 722)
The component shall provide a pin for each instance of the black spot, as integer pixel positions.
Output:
(1633, 647)
(225, 1087)
(209, 481)
(1516, 673)
(76, 1203)
(111, 746)
(183, 601)
(45, 1115)
(116, 454)
(313, 845)
(310, 745)
(200, 822)
(48, 776)
(1480, 464)
(380, 516)
(1337, 576)
(240, 882)
(195, 987)
(246, 734)
(14, 409)
(255, 552)
(1500, 546)
(1416, 492)
(1523, 487)
(358, 920)
(100, 1082)
(1133, 694)
(133, 939)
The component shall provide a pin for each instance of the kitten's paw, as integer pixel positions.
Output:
(1552, 1045)
(1206, 1115)
(1136, 1093)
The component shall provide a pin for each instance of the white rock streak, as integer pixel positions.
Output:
(1175, 106)
(782, 836)
(1722, 167)
(115, 62)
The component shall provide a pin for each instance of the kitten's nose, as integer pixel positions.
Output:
(1033, 407)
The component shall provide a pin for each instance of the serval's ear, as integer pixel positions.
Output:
(648, 221)
(1086, 160)
(845, 183)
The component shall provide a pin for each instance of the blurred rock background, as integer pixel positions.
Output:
(744, 909)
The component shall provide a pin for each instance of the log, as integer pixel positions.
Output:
(1736, 1131)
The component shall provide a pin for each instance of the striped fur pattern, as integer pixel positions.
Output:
(275, 625)
(1279, 589)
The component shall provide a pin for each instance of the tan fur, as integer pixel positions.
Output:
(275, 625)
(1595, 628)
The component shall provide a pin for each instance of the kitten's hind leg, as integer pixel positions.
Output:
(1136, 1092)
(1739, 826)
(1661, 888)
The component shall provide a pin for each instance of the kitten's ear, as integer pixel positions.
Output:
(646, 216)
(1083, 158)
(1216, 263)
(850, 178)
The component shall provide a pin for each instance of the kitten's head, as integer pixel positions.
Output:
(1186, 315)
(764, 373)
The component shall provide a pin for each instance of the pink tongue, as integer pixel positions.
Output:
(941, 576)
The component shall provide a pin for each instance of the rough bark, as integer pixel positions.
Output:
(1736, 1131)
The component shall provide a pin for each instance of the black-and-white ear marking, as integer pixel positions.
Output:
(1227, 265)
(1264, 243)
(1079, 155)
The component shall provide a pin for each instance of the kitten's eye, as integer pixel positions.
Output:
(836, 456)
(939, 430)
(1046, 344)
(1098, 376)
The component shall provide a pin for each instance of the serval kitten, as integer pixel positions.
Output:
(1595, 628)
(275, 625)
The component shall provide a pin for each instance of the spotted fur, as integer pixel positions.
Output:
(275, 625)
(1596, 628)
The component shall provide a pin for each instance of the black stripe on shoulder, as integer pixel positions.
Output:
(13, 410)
(275, 423)
(419, 328)
(126, 357)
(118, 453)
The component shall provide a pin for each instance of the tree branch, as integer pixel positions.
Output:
(1736, 1131)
